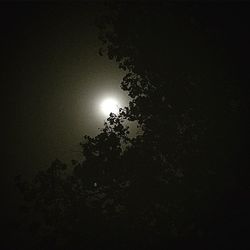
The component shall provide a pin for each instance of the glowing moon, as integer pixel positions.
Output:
(109, 105)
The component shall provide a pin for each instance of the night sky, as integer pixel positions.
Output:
(53, 80)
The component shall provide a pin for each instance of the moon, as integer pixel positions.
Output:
(109, 105)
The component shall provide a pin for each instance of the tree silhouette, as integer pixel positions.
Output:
(172, 182)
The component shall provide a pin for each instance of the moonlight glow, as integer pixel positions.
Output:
(109, 105)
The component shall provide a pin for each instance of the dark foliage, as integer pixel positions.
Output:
(185, 177)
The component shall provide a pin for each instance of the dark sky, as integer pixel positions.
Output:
(52, 78)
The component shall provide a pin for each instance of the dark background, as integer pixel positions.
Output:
(50, 70)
